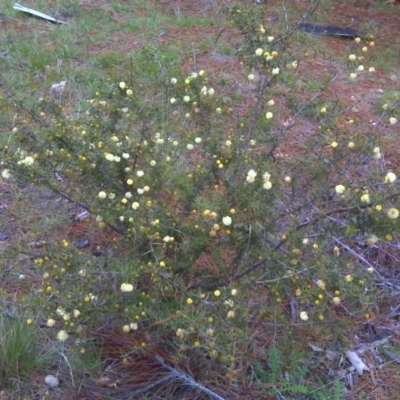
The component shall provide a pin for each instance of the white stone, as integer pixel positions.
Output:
(51, 381)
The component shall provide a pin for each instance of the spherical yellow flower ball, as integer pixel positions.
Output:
(393, 213)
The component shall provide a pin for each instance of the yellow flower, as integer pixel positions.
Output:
(377, 153)
(336, 301)
(129, 92)
(27, 161)
(352, 57)
(334, 144)
(134, 326)
(126, 328)
(189, 301)
(267, 185)
(365, 198)
(275, 71)
(102, 195)
(348, 278)
(180, 333)
(287, 179)
(259, 52)
(340, 189)
(234, 292)
(251, 176)
(321, 284)
(126, 287)
(6, 174)
(230, 314)
(393, 213)
(135, 205)
(304, 316)
(390, 177)
(122, 85)
(217, 293)
(62, 336)
(227, 221)
(50, 322)
(269, 115)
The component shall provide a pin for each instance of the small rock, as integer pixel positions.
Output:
(82, 243)
(83, 215)
(51, 381)
(57, 89)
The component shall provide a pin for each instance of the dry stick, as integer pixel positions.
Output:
(354, 253)
(69, 365)
(152, 385)
(182, 376)
(365, 261)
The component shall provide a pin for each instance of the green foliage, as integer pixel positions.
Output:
(294, 382)
(218, 215)
(18, 349)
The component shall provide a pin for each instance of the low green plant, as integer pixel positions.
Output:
(18, 348)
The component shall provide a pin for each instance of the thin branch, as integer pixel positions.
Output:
(182, 376)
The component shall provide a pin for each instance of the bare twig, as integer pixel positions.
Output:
(187, 379)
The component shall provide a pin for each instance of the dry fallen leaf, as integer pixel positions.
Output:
(356, 362)
(107, 382)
